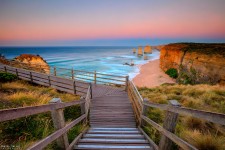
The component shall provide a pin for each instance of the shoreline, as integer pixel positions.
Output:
(151, 75)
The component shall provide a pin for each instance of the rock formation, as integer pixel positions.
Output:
(145, 57)
(198, 63)
(34, 61)
(148, 49)
(140, 52)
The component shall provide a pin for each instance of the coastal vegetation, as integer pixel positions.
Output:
(200, 133)
(172, 72)
(25, 131)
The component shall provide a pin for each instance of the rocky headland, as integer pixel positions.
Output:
(195, 62)
(28, 61)
(35, 61)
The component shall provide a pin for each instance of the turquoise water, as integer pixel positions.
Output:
(101, 59)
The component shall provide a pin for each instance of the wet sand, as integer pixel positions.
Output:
(151, 75)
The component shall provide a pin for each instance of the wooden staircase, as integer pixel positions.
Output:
(112, 122)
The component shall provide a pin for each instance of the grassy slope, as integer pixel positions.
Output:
(27, 130)
(204, 135)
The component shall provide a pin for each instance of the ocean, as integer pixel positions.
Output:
(109, 60)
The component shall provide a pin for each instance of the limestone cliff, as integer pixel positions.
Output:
(34, 61)
(200, 63)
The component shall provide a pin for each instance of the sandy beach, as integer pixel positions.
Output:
(151, 75)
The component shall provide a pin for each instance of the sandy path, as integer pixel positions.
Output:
(151, 75)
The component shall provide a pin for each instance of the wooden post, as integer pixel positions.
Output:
(59, 122)
(74, 87)
(31, 79)
(17, 73)
(54, 71)
(82, 108)
(91, 89)
(95, 77)
(127, 80)
(5, 69)
(143, 112)
(49, 81)
(170, 125)
(72, 74)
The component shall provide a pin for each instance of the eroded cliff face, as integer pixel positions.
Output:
(34, 61)
(201, 66)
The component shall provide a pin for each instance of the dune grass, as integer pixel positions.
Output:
(25, 131)
(200, 133)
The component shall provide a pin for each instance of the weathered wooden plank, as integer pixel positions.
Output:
(40, 82)
(39, 75)
(183, 144)
(61, 80)
(209, 116)
(23, 75)
(62, 85)
(23, 71)
(10, 68)
(40, 79)
(63, 89)
(44, 142)
(10, 71)
(15, 113)
(24, 78)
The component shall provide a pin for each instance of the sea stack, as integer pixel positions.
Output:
(147, 49)
(140, 52)
(145, 57)
(134, 50)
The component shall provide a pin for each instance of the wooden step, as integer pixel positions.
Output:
(113, 141)
(111, 147)
(113, 136)
(112, 132)
(114, 129)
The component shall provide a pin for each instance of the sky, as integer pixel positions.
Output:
(110, 22)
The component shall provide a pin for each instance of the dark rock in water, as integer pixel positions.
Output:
(131, 64)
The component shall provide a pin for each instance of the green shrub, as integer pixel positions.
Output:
(172, 72)
(6, 77)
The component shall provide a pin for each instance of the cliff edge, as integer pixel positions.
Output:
(195, 62)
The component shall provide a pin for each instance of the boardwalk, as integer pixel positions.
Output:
(112, 122)
(109, 111)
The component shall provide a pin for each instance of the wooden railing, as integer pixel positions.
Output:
(86, 76)
(173, 109)
(56, 108)
(136, 100)
(59, 83)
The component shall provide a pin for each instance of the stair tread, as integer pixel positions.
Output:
(113, 146)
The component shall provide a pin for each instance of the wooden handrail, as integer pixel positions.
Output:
(58, 71)
(138, 102)
(59, 83)
(209, 116)
(183, 144)
(44, 142)
(15, 113)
